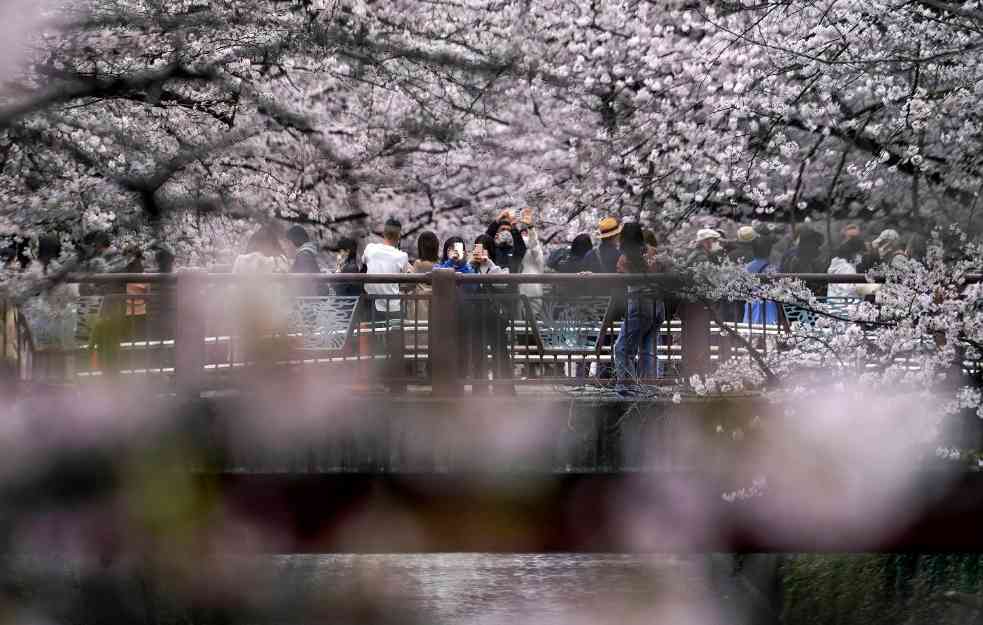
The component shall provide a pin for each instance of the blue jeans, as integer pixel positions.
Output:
(638, 336)
(759, 312)
(648, 359)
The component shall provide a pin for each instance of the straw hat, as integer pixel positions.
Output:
(746, 234)
(608, 227)
(886, 236)
(706, 234)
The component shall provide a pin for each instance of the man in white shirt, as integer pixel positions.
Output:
(386, 257)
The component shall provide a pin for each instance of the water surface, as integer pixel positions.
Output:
(514, 589)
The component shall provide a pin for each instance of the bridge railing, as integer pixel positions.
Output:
(15, 349)
(442, 332)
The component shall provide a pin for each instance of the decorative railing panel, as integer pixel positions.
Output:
(322, 323)
(841, 307)
(443, 331)
(565, 324)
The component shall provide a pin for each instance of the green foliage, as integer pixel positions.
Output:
(877, 589)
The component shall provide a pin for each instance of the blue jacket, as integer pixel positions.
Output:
(464, 267)
(757, 311)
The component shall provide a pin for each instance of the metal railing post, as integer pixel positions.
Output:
(695, 339)
(444, 346)
(10, 355)
(189, 330)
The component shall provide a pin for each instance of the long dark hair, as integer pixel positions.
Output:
(266, 241)
(165, 260)
(49, 249)
(581, 245)
(851, 249)
(809, 243)
(448, 244)
(428, 247)
(633, 247)
(486, 241)
(761, 247)
(348, 247)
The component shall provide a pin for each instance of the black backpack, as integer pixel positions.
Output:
(557, 257)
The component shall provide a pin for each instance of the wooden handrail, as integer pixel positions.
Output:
(610, 279)
(192, 288)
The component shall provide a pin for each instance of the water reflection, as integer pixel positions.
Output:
(453, 589)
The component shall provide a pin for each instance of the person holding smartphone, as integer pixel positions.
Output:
(455, 257)
(508, 248)
(480, 260)
(489, 316)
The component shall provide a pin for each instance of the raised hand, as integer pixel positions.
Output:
(527, 217)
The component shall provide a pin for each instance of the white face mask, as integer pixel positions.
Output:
(715, 247)
(503, 239)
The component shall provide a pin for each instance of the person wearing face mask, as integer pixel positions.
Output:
(706, 248)
(510, 247)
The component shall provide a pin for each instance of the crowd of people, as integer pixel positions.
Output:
(511, 245)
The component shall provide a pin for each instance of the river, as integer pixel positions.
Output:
(501, 589)
(399, 589)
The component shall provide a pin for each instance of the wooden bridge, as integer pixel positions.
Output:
(384, 414)
(441, 334)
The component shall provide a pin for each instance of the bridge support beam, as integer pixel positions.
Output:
(621, 513)
(189, 343)
(695, 339)
(443, 334)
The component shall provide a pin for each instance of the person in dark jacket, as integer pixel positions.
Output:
(604, 258)
(162, 304)
(14, 254)
(510, 248)
(305, 257)
(573, 260)
(305, 261)
(644, 317)
(741, 250)
(94, 251)
(348, 263)
(805, 257)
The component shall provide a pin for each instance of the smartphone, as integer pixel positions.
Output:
(477, 253)
(459, 250)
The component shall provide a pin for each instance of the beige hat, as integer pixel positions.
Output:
(746, 234)
(886, 236)
(609, 227)
(706, 234)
